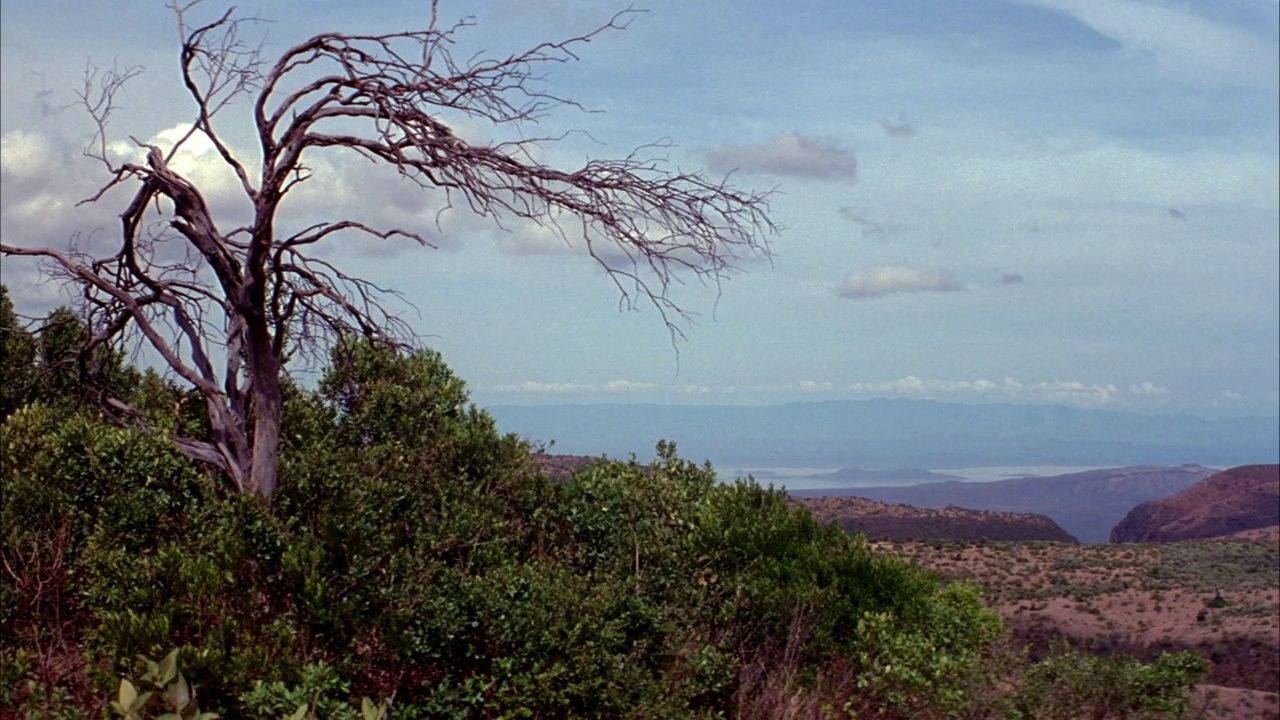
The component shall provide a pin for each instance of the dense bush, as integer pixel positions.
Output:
(411, 555)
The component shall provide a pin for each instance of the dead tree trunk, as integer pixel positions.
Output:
(226, 309)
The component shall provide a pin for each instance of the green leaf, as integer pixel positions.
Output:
(128, 693)
(168, 668)
(369, 711)
(300, 713)
(179, 693)
(153, 670)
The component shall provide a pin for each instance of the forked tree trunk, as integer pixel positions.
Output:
(226, 313)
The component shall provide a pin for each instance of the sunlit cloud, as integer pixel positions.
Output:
(890, 279)
(23, 154)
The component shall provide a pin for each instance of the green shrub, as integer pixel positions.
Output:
(411, 553)
(1070, 684)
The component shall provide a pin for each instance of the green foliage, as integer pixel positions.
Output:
(912, 668)
(312, 698)
(17, 359)
(172, 693)
(412, 553)
(1071, 684)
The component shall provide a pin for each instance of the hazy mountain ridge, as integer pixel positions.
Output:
(890, 433)
(1240, 499)
(1087, 505)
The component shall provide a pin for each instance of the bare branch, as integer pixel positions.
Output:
(228, 310)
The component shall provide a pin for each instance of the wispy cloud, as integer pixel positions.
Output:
(871, 228)
(789, 154)
(1065, 392)
(571, 388)
(1011, 279)
(558, 235)
(623, 386)
(541, 388)
(889, 279)
(898, 128)
(1177, 38)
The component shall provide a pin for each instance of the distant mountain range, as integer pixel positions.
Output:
(1088, 504)
(897, 433)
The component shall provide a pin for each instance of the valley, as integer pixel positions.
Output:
(1220, 597)
(1217, 593)
(1213, 586)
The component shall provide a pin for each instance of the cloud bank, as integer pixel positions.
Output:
(889, 279)
(1009, 390)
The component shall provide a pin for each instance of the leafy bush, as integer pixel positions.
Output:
(412, 554)
(1071, 684)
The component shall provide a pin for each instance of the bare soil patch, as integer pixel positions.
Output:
(1221, 597)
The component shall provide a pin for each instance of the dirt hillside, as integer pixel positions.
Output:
(884, 521)
(1235, 500)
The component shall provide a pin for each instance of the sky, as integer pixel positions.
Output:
(1029, 201)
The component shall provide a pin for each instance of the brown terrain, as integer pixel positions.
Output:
(883, 521)
(1220, 597)
(1237, 500)
(1262, 535)
(559, 468)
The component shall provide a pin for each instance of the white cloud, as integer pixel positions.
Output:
(622, 386)
(1148, 389)
(532, 386)
(1227, 398)
(789, 154)
(534, 239)
(694, 389)
(889, 279)
(1009, 390)
(899, 127)
(1179, 40)
(1059, 392)
(24, 154)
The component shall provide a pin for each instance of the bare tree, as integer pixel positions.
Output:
(226, 308)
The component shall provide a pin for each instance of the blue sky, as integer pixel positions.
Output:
(1049, 201)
